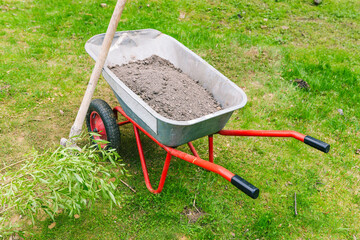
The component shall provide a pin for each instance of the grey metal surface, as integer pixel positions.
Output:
(135, 45)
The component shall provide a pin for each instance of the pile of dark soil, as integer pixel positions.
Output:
(166, 89)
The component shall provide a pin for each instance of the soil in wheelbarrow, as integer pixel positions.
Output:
(166, 89)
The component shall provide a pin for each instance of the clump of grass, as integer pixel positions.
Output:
(66, 180)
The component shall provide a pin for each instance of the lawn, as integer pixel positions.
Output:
(262, 46)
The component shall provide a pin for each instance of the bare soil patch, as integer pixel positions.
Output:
(166, 89)
(193, 214)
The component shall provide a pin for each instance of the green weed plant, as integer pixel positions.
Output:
(67, 180)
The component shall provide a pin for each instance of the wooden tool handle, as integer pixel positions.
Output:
(76, 128)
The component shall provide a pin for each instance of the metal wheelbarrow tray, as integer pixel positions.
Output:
(137, 45)
(130, 46)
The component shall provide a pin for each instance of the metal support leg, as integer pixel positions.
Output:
(144, 167)
(211, 148)
(193, 149)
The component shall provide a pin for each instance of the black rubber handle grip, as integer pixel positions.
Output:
(315, 143)
(245, 186)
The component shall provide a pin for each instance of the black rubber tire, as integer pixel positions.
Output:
(109, 119)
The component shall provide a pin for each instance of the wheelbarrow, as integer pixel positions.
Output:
(128, 46)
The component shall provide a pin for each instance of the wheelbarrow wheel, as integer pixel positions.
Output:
(101, 119)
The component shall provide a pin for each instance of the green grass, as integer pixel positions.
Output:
(45, 69)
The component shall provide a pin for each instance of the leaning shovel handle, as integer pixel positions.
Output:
(80, 117)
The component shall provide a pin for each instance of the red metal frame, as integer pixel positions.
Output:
(195, 159)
